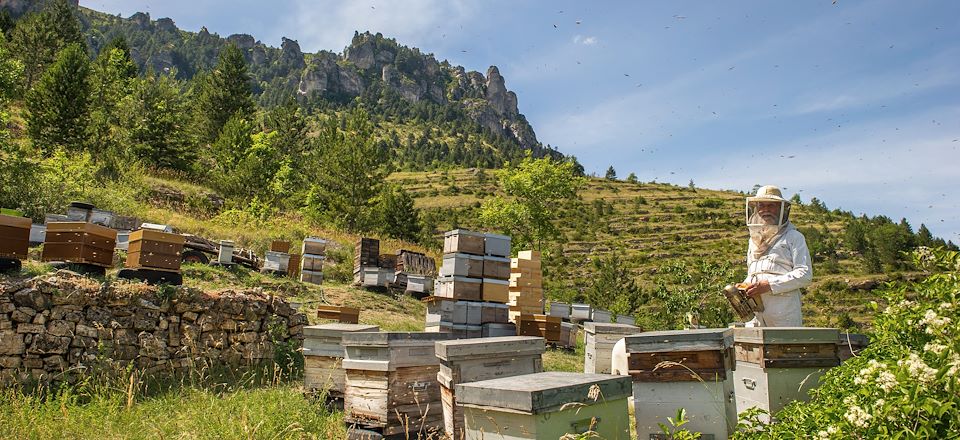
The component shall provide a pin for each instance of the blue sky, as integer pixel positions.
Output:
(856, 103)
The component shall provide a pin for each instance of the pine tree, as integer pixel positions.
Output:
(351, 173)
(151, 116)
(223, 92)
(395, 214)
(632, 178)
(59, 104)
(924, 237)
(39, 37)
(611, 173)
(111, 78)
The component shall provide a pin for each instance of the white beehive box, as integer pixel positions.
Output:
(777, 365)
(581, 312)
(276, 261)
(314, 246)
(560, 309)
(463, 241)
(496, 245)
(419, 283)
(312, 262)
(312, 277)
(546, 405)
(600, 339)
(603, 316)
(703, 385)
(471, 360)
(462, 265)
(323, 354)
(624, 319)
(225, 254)
(493, 329)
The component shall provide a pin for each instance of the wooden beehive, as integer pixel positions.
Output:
(312, 277)
(312, 262)
(851, 344)
(689, 369)
(323, 356)
(497, 268)
(157, 250)
(544, 326)
(314, 246)
(463, 241)
(79, 242)
(600, 339)
(14, 237)
(281, 246)
(293, 267)
(367, 253)
(342, 314)
(391, 381)
(778, 365)
(495, 290)
(460, 288)
(472, 360)
(496, 245)
(462, 265)
(547, 405)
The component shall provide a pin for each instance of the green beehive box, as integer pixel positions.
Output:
(546, 405)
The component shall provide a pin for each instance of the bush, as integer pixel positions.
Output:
(905, 384)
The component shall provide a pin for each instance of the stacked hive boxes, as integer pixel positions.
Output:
(777, 365)
(79, 242)
(472, 289)
(14, 237)
(689, 369)
(370, 269)
(311, 263)
(323, 356)
(481, 359)
(526, 284)
(600, 339)
(415, 272)
(278, 257)
(544, 326)
(391, 382)
(154, 250)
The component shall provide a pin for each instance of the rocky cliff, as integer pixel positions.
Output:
(370, 62)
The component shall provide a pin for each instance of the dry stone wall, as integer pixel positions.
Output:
(66, 322)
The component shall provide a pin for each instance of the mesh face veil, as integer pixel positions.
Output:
(766, 215)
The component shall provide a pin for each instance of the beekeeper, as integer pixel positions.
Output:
(778, 261)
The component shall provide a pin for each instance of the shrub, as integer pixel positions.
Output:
(905, 384)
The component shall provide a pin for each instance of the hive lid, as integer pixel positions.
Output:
(337, 329)
(787, 335)
(497, 236)
(854, 339)
(680, 340)
(15, 221)
(543, 392)
(462, 232)
(489, 347)
(462, 256)
(386, 339)
(610, 328)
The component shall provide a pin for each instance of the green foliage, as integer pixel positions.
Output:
(611, 285)
(59, 104)
(247, 165)
(611, 174)
(222, 93)
(352, 171)
(537, 187)
(905, 384)
(39, 37)
(111, 77)
(11, 70)
(395, 215)
(152, 120)
(881, 243)
(632, 178)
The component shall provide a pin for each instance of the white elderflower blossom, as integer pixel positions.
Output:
(858, 417)
(823, 435)
(918, 369)
(954, 365)
(946, 306)
(934, 347)
(935, 323)
(887, 381)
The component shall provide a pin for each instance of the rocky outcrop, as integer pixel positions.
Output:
(167, 25)
(54, 327)
(325, 75)
(290, 54)
(243, 42)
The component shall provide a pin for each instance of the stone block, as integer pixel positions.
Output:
(49, 344)
(31, 328)
(60, 328)
(32, 298)
(85, 331)
(11, 343)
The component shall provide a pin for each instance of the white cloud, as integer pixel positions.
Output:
(586, 41)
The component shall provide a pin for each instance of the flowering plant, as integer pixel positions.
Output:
(905, 384)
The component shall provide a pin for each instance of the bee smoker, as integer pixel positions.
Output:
(745, 306)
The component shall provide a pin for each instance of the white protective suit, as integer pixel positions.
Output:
(787, 267)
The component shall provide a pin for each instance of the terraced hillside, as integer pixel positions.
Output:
(679, 244)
